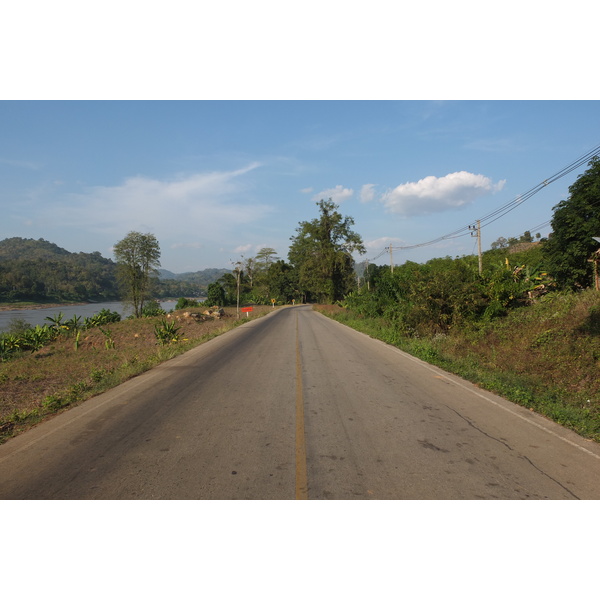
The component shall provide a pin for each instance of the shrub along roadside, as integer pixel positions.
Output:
(36, 385)
(545, 357)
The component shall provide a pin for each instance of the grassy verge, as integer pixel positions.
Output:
(545, 357)
(35, 386)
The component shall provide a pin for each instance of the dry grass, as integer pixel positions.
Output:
(36, 385)
(556, 343)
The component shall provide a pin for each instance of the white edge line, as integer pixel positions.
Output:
(456, 380)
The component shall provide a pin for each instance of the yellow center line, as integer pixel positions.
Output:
(301, 478)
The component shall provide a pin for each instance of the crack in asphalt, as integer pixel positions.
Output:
(512, 450)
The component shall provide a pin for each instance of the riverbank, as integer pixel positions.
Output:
(39, 315)
(36, 306)
(35, 386)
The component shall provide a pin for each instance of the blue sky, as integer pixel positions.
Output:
(216, 180)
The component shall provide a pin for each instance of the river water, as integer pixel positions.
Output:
(37, 316)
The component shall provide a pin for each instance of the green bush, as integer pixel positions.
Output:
(215, 295)
(152, 308)
(18, 326)
(186, 303)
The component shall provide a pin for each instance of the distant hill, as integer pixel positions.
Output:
(164, 274)
(188, 285)
(39, 270)
(203, 278)
(16, 248)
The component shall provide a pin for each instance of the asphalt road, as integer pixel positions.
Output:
(296, 406)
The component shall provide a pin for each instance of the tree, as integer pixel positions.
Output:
(263, 260)
(321, 252)
(230, 284)
(282, 282)
(501, 242)
(575, 222)
(249, 267)
(215, 295)
(526, 237)
(137, 257)
(265, 257)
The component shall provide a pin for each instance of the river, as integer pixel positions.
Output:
(37, 316)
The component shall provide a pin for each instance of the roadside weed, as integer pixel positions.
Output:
(167, 332)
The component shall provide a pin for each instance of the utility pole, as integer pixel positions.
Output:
(238, 269)
(595, 260)
(238, 291)
(367, 273)
(476, 232)
(391, 259)
(479, 247)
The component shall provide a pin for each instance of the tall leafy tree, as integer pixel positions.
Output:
(321, 252)
(137, 257)
(263, 260)
(265, 257)
(282, 282)
(249, 266)
(234, 282)
(575, 222)
(215, 294)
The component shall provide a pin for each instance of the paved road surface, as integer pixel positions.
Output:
(295, 405)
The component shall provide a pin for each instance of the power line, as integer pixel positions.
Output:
(502, 210)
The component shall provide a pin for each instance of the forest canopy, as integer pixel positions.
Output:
(38, 270)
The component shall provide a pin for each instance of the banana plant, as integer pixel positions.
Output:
(74, 323)
(77, 336)
(109, 343)
(56, 320)
(37, 337)
(9, 344)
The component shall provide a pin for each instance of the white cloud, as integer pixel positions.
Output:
(338, 194)
(245, 248)
(438, 194)
(187, 211)
(307, 190)
(367, 192)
